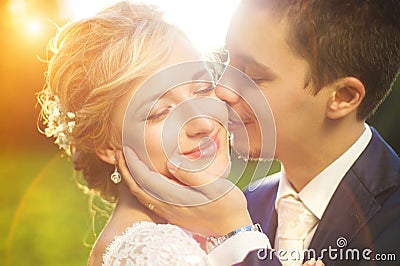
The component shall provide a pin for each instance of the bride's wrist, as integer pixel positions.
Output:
(214, 241)
(232, 224)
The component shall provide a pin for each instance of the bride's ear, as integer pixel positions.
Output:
(107, 155)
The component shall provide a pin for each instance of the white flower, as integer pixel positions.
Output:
(59, 124)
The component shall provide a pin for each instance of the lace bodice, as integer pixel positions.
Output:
(147, 243)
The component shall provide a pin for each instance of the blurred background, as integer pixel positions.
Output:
(45, 218)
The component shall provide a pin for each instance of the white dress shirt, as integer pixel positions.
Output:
(315, 195)
(318, 192)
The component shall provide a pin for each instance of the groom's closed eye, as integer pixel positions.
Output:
(259, 74)
(257, 71)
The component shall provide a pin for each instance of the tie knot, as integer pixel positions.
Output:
(294, 218)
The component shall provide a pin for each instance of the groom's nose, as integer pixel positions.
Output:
(227, 95)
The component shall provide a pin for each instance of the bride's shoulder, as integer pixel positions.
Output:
(99, 248)
(107, 236)
(146, 243)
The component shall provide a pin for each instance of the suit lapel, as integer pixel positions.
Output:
(349, 210)
(270, 216)
(271, 225)
(261, 205)
(353, 203)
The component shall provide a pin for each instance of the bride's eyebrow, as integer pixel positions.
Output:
(157, 94)
(147, 105)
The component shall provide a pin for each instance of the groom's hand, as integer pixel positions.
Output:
(214, 209)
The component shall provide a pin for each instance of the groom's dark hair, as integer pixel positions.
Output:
(341, 38)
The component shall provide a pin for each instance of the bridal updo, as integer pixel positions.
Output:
(91, 64)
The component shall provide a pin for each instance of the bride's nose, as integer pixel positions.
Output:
(199, 126)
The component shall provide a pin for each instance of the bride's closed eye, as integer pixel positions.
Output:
(159, 115)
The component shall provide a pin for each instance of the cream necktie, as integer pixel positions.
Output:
(295, 221)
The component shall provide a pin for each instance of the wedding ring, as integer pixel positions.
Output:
(151, 206)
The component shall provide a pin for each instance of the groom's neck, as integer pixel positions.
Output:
(306, 159)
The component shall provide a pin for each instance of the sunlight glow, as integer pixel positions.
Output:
(34, 27)
(78, 9)
(17, 8)
(204, 21)
(24, 20)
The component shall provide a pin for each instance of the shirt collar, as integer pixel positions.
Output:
(319, 191)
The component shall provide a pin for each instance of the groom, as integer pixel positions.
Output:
(324, 66)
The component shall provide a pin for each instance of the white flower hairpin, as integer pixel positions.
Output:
(59, 124)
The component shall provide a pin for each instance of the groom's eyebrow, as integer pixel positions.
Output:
(248, 60)
(198, 74)
(203, 75)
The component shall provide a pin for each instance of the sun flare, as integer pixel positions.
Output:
(205, 21)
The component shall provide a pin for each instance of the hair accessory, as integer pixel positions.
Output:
(115, 176)
(58, 124)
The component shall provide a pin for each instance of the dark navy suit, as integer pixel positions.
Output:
(364, 211)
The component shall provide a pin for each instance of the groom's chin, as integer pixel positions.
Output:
(247, 153)
(253, 154)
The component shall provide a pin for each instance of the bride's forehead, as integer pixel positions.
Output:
(181, 51)
(173, 81)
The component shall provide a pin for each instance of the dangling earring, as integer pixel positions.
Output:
(116, 176)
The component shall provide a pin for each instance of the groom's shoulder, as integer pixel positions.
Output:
(263, 188)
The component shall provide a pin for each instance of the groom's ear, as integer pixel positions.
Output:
(107, 154)
(346, 96)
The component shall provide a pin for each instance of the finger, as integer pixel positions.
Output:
(184, 176)
(145, 180)
(136, 167)
(219, 188)
(133, 186)
(195, 178)
(209, 184)
(141, 195)
(126, 175)
(159, 186)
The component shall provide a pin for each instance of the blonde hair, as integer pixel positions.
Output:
(91, 64)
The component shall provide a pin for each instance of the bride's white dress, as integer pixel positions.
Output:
(147, 243)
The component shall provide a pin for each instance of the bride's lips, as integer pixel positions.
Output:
(206, 148)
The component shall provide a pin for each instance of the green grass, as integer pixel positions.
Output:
(242, 173)
(45, 218)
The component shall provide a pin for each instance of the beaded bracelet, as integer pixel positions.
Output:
(214, 241)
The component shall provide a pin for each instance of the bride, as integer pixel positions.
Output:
(95, 66)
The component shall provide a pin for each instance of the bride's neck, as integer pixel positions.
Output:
(132, 210)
